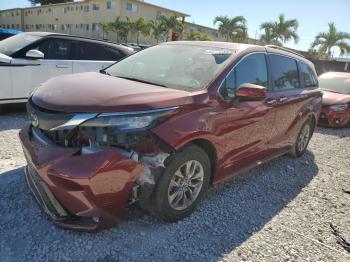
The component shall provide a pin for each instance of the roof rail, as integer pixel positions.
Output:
(284, 49)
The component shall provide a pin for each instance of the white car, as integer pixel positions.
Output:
(28, 59)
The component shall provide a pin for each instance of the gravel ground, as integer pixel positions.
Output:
(281, 211)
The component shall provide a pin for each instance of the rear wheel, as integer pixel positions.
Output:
(302, 140)
(182, 184)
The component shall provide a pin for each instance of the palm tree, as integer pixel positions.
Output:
(234, 29)
(121, 28)
(198, 36)
(140, 26)
(280, 32)
(106, 27)
(157, 29)
(326, 41)
(173, 24)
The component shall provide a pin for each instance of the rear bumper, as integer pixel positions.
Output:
(329, 118)
(84, 192)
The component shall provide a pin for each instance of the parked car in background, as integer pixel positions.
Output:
(28, 59)
(6, 33)
(160, 126)
(336, 99)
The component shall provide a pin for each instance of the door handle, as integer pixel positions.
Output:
(271, 101)
(282, 99)
(62, 66)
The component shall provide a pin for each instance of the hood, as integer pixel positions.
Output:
(330, 98)
(95, 92)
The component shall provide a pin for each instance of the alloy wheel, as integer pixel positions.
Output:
(185, 185)
(304, 138)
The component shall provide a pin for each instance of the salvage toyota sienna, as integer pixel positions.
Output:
(159, 127)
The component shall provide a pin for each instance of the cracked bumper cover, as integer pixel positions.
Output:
(87, 192)
(330, 118)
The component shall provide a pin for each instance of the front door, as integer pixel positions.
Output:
(249, 123)
(27, 74)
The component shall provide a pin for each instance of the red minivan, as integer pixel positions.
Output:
(159, 127)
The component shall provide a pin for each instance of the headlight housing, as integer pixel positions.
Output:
(339, 107)
(131, 121)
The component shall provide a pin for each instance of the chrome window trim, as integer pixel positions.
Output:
(234, 67)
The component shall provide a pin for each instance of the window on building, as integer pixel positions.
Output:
(131, 7)
(95, 27)
(95, 7)
(158, 15)
(110, 4)
(86, 8)
(284, 72)
(310, 80)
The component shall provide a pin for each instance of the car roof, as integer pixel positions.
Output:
(115, 45)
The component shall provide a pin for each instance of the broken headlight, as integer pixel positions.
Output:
(131, 121)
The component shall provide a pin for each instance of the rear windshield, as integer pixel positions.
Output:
(15, 43)
(174, 66)
(335, 83)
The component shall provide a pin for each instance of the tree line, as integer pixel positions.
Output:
(232, 29)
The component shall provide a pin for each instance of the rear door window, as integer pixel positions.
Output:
(284, 73)
(96, 52)
(308, 75)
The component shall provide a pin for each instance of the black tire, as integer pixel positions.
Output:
(160, 205)
(296, 150)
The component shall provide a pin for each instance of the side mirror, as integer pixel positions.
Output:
(35, 54)
(251, 92)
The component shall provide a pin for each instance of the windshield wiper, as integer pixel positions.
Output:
(102, 71)
(141, 81)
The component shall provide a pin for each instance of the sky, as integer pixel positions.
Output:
(313, 15)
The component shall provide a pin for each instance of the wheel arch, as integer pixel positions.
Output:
(210, 149)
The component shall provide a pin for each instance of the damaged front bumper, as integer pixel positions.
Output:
(83, 190)
(331, 118)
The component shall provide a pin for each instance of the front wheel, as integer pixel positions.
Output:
(182, 184)
(302, 140)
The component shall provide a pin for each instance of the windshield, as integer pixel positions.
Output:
(15, 43)
(338, 83)
(175, 66)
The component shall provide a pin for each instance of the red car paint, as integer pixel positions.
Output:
(239, 135)
(331, 118)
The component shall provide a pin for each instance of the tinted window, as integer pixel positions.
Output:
(284, 72)
(252, 70)
(56, 49)
(308, 75)
(96, 52)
